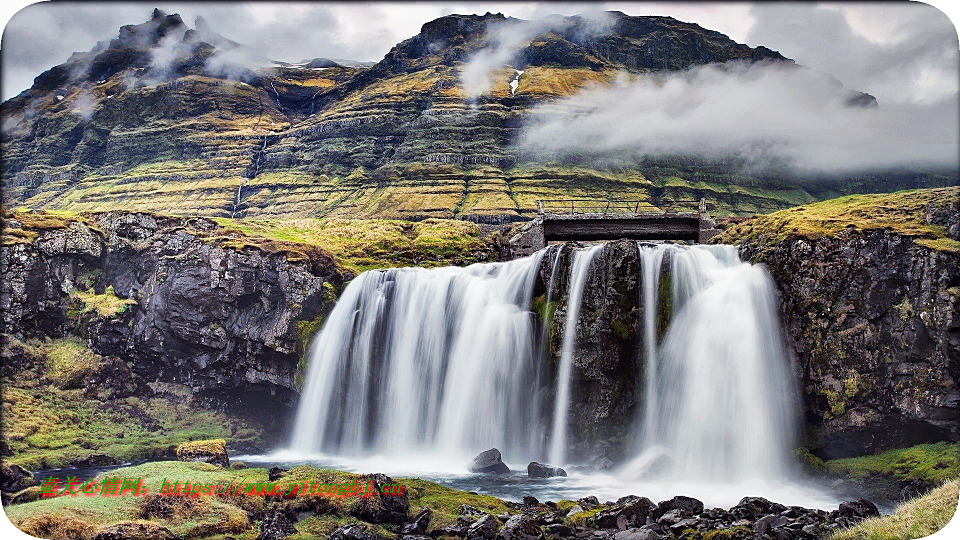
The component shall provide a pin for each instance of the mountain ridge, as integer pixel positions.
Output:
(181, 120)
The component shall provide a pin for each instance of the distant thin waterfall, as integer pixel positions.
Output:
(720, 398)
(415, 360)
(578, 278)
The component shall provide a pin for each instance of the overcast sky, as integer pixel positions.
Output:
(906, 53)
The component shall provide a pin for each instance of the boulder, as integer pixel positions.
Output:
(489, 462)
(636, 534)
(520, 527)
(630, 515)
(768, 522)
(275, 526)
(275, 473)
(14, 477)
(210, 451)
(354, 531)
(484, 528)
(687, 506)
(134, 530)
(419, 523)
(858, 509)
(575, 509)
(539, 470)
(752, 508)
(380, 508)
(588, 502)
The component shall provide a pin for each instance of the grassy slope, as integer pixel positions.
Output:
(902, 212)
(920, 517)
(50, 420)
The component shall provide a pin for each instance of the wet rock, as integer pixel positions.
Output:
(636, 534)
(134, 530)
(484, 528)
(14, 477)
(275, 526)
(687, 506)
(768, 522)
(419, 523)
(633, 514)
(858, 509)
(575, 509)
(588, 502)
(380, 508)
(559, 529)
(754, 507)
(489, 462)
(275, 473)
(354, 531)
(213, 451)
(530, 501)
(520, 527)
(914, 489)
(538, 470)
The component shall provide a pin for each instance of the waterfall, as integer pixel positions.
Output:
(651, 260)
(438, 361)
(720, 398)
(578, 280)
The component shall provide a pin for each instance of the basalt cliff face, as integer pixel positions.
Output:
(874, 320)
(174, 298)
(181, 120)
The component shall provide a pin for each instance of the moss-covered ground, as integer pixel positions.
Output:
(902, 213)
(53, 418)
(932, 463)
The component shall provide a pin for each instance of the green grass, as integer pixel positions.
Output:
(107, 304)
(50, 420)
(903, 213)
(205, 514)
(363, 244)
(445, 502)
(934, 463)
(918, 518)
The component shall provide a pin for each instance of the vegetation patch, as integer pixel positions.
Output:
(933, 463)
(917, 518)
(445, 502)
(107, 304)
(902, 213)
(69, 362)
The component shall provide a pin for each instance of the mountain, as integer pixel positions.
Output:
(181, 120)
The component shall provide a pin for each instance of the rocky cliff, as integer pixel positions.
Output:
(180, 120)
(181, 300)
(872, 313)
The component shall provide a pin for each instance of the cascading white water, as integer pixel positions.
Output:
(651, 260)
(578, 280)
(434, 361)
(720, 398)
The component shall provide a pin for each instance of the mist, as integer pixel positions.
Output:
(769, 115)
(507, 38)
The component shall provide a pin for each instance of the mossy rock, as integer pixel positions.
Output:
(212, 451)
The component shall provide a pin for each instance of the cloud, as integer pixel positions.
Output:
(768, 115)
(508, 37)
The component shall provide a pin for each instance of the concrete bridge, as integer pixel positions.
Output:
(587, 220)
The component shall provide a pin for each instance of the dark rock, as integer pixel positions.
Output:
(489, 462)
(559, 529)
(687, 506)
(913, 489)
(636, 534)
(419, 523)
(859, 509)
(14, 477)
(768, 522)
(276, 525)
(631, 515)
(354, 531)
(484, 528)
(380, 508)
(754, 507)
(275, 473)
(538, 470)
(520, 527)
(588, 502)
(530, 501)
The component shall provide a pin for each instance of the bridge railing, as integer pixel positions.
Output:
(617, 206)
